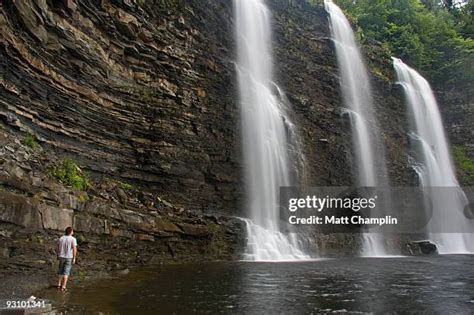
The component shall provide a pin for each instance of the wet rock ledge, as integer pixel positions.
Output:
(117, 226)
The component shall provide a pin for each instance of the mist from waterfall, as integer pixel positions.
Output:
(369, 155)
(266, 131)
(434, 166)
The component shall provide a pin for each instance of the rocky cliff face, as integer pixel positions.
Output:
(144, 93)
(147, 92)
(457, 108)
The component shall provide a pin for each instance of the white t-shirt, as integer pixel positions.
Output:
(66, 244)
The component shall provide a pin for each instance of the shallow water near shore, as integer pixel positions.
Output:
(438, 284)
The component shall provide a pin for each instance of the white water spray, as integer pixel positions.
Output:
(434, 167)
(356, 90)
(265, 130)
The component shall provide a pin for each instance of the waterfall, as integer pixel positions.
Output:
(434, 167)
(265, 131)
(367, 146)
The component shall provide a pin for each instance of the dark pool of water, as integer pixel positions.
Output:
(441, 284)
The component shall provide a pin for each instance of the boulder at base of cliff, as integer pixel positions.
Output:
(426, 247)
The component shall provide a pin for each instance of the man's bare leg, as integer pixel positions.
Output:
(60, 281)
(64, 282)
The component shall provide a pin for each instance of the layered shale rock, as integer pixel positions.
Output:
(146, 91)
(138, 92)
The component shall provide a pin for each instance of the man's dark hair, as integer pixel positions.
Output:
(68, 230)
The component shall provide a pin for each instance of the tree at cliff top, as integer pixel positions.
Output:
(434, 37)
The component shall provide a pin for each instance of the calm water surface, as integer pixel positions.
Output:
(441, 284)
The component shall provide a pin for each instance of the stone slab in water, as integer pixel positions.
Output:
(422, 248)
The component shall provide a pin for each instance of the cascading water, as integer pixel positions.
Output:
(434, 166)
(356, 90)
(265, 135)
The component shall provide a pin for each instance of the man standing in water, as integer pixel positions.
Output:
(67, 251)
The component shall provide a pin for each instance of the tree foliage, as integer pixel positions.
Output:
(433, 36)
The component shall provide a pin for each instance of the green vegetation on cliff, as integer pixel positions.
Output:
(464, 163)
(30, 140)
(434, 37)
(69, 174)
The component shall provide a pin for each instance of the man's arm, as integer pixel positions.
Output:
(74, 253)
(57, 249)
